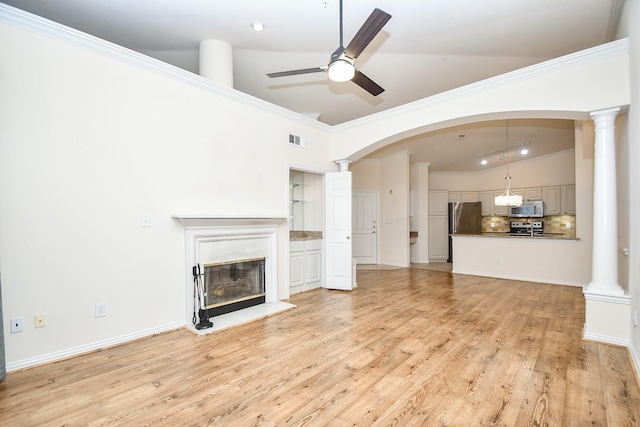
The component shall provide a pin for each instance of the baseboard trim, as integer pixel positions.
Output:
(606, 339)
(98, 345)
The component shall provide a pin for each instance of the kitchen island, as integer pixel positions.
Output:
(548, 258)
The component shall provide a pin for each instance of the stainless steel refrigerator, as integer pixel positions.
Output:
(464, 218)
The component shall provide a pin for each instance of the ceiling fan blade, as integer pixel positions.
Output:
(367, 32)
(295, 72)
(367, 84)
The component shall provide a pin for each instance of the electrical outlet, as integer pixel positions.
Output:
(101, 310)
(40, 320)
(568, 225)
(16, 324)
(497, 260)
(145, 221)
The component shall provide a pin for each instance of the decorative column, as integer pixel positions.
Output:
(604, 267)
(607, 316)
(216, 61)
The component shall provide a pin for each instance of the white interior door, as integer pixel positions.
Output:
(339, 262)
(364, 223)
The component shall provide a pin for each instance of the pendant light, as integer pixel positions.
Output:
(508, 198)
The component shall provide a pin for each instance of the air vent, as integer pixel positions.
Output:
(296, 140)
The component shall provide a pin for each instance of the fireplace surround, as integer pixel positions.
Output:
(211, 241)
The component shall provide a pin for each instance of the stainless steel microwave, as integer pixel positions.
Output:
(529, 209)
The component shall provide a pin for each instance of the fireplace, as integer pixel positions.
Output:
(222, 246)
(233, 285)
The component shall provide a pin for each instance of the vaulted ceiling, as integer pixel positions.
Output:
(427, 47)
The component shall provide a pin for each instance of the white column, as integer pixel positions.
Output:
(607, 307)
(604, 270)
(216, 61)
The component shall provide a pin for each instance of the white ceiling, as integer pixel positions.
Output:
(428, 46)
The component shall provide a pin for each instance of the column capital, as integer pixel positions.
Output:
(344, 165)
(609, 111)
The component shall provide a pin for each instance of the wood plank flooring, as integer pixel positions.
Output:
(408, 347)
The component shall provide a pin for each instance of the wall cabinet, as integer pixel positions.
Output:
(534, 193)
(487, 201)
(568, 199)
(454, 196)
(438, 238)
(438, 200)
(552, 200)
(305, 264)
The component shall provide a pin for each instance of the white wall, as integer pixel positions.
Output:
(394, 210)
(89, 144)
(419, 185)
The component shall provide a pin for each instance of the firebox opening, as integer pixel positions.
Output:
(234, 285)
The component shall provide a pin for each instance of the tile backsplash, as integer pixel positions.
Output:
(552, 224)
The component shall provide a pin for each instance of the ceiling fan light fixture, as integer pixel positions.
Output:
(341, 70)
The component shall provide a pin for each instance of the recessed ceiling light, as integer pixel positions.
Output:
(524, 151)
(257, 26)
(484, 162)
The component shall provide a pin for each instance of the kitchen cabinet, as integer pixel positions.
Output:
(470, 196)
(305, 264)
(438, 200)
(454, 196)
(487, 201)
(463, 196)
(534, 193)
(438, 238)
(568, 199)
(552, 197)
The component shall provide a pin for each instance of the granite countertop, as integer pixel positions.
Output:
(547, 236)
(304, 235)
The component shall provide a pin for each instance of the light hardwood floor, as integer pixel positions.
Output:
(407, 347)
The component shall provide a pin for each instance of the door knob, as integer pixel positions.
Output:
(348, 237)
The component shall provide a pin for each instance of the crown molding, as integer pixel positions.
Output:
(584, 56)
(53, 30)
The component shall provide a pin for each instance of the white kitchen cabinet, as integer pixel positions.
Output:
(454, 196)
(438, 239)
(305, 264)
(487, 201)
(438, 200)
(569, 199)
(470, 196)
(533, 193)
(552, 197)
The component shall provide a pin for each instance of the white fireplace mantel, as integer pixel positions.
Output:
(210, 239)
(223, 221)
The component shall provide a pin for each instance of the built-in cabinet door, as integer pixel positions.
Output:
(534, 193)
(569, 199)
(487, 201)
(454, 196)
(470, 196)
(314, 266)
(552, 200)
(438, 200)
(438, 239)
(296, 264)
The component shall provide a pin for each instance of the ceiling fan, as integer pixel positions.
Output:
(342, 62)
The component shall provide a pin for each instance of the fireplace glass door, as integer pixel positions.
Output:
(231, 286)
